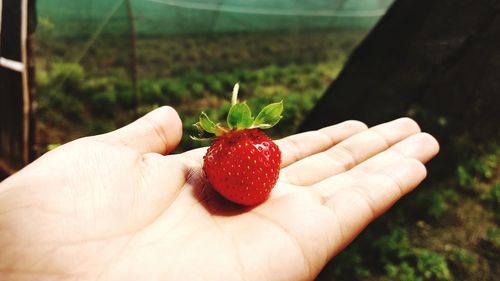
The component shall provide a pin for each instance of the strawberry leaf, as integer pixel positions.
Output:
(269, 116)
(207, 124)
(239, 116)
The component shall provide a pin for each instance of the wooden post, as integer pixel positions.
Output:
(26, 95)
(30, 45)
(16, 124)
(133, 56)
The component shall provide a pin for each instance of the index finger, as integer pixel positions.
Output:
(299, 146)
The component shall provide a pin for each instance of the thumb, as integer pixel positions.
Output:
(158, 131)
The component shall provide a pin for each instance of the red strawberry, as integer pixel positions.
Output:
(243, 166)
(243, 163)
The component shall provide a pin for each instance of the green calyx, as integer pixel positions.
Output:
(240, 118)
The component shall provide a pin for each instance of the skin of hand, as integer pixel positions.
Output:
(118, 207)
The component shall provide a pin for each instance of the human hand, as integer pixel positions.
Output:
(113, 207)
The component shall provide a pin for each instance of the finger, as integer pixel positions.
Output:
(299, 146)
(421, 147)
(159, 131)
(349, 152)
(363, 201)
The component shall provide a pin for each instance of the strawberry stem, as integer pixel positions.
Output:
(234, 98)
(240, 118)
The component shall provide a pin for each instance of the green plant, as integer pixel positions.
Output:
(349, 264)
(52, 146)
(68, 105)
(43, 81)
(45, 25)
(402, 272)
(477, 169)
(125, 98)
(226, 79)
(433, 204)
(215, 87)
(395, 245)
(463, 263)
(493, 235)
(151, 92)
(197, 89)
(104, 102)
(461, 256)
(494, 193)
(61, 89)
(67, 77)
(297, 105)
(432, 265)
(244, 75)
(174, 91)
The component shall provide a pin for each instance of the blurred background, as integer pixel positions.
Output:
(100, 63)
(74, 68)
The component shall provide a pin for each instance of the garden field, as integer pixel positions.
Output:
(92, 93)
(446, 230)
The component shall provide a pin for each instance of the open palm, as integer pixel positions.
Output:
(113, 207)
